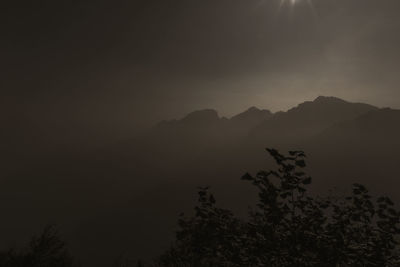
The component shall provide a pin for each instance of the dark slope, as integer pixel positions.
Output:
(378, 126)
(310, 118)
(250, 118)
(365, 149)
(207, 120)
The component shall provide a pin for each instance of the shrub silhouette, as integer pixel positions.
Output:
(46, 250)
(289, 227)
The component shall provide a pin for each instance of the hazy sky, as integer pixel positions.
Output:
(126, 62)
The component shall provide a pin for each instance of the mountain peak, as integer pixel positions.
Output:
(205, 115)
(252, 112)
(251, 117)
(325, 99)
(252, 109)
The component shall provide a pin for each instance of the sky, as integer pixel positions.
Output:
(126, 64)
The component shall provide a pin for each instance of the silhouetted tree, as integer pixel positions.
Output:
(289, 227)
(46, 250)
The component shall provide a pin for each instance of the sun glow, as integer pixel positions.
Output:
(292, 3)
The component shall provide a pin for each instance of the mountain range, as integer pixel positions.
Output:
(307, 119)
(325, 118)
(130, 193)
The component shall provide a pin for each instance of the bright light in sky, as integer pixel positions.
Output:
(293, 2)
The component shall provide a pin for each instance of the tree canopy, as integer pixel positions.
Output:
(289, 226)
(45, 250)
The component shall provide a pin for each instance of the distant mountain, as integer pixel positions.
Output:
(207, 123)
(304, 121)
(250, 118)
(200, 117)
(195, 128)
(207, 117)
(378, 126)
(327, 127)
(321, 126)
(310, 118)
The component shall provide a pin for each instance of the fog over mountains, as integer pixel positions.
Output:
(125, 198)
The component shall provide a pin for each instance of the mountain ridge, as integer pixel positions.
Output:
(307, 118)
(320, 100)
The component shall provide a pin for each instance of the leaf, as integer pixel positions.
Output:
(356, 191)
(307, 180)
(247, 177)
(297, 153)
(272, 152)
(389, 201)
(285, 195)
(381, 199)
(392, 212)
(301, 189)
(301, 163)
(212, 199)
(382, 215)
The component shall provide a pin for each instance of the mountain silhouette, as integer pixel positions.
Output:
(209, 118)
(250, 118)
(200, 117)
(310, 118)
(376, 125)
(125, 191)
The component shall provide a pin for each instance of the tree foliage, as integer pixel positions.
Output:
(289, 227)
(45, 250)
